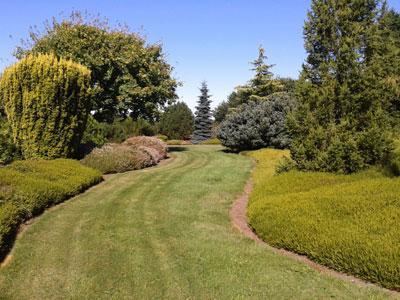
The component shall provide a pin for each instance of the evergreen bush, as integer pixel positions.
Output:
(47, 101)
(258, 124)
(177, 122)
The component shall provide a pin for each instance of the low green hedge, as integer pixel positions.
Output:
(28, 187)
(346, 222)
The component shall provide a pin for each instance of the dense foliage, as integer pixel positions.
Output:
(341, 124)
(28, 187)
(177, 122)
(346, 222)
(202, 121)
(129, 76)
(8, 151)
(47, 101)
(258, 124)
(133, 154)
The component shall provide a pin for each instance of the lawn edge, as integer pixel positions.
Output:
(239, 220)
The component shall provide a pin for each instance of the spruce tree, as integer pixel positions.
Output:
(340, 125)
(202, 122)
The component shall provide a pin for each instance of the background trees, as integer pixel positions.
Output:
(341, 122)
(129, 77)
(47, 101)
(202, 121)
(177, 122)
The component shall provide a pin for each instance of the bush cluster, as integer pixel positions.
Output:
(346, 222)
(133, 154)
(258, 124)
(28, 187)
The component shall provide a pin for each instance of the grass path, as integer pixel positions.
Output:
(159, 233)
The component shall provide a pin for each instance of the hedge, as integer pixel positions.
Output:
(346, 222)
(28, 187)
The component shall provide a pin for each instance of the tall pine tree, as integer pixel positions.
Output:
(202, 122)
(340, 125)
(261, 85)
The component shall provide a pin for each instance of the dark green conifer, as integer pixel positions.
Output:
(341, 123)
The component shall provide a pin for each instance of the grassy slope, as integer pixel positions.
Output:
(348, 222)
(159, 233)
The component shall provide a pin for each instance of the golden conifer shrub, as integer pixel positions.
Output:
(47, 101)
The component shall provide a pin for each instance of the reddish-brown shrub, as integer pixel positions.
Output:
(149, 142)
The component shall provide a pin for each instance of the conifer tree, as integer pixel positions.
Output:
(177, 122)
(202, 122)
(340, 125)
(260, 86)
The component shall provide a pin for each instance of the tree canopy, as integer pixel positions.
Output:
(130, 77)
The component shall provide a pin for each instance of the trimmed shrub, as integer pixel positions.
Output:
(150, 142)
(177, 122)
(116, 158)
(47, 101)
(258, 124)
(346, 222)
(28, 187)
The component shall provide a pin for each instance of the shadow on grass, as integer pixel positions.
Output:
(177, 149)
(8, 244)
(227, 150)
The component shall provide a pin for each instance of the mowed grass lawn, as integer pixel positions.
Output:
(160, 233)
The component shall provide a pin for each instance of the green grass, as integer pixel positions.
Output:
(28, 187)
(160, 233)
(347, 222)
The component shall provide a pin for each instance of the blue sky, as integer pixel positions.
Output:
(204, 40)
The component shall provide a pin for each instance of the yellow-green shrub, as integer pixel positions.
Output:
(28, 187)
(347, 222)
(47, 101)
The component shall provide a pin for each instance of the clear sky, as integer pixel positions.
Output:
(212, 40)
